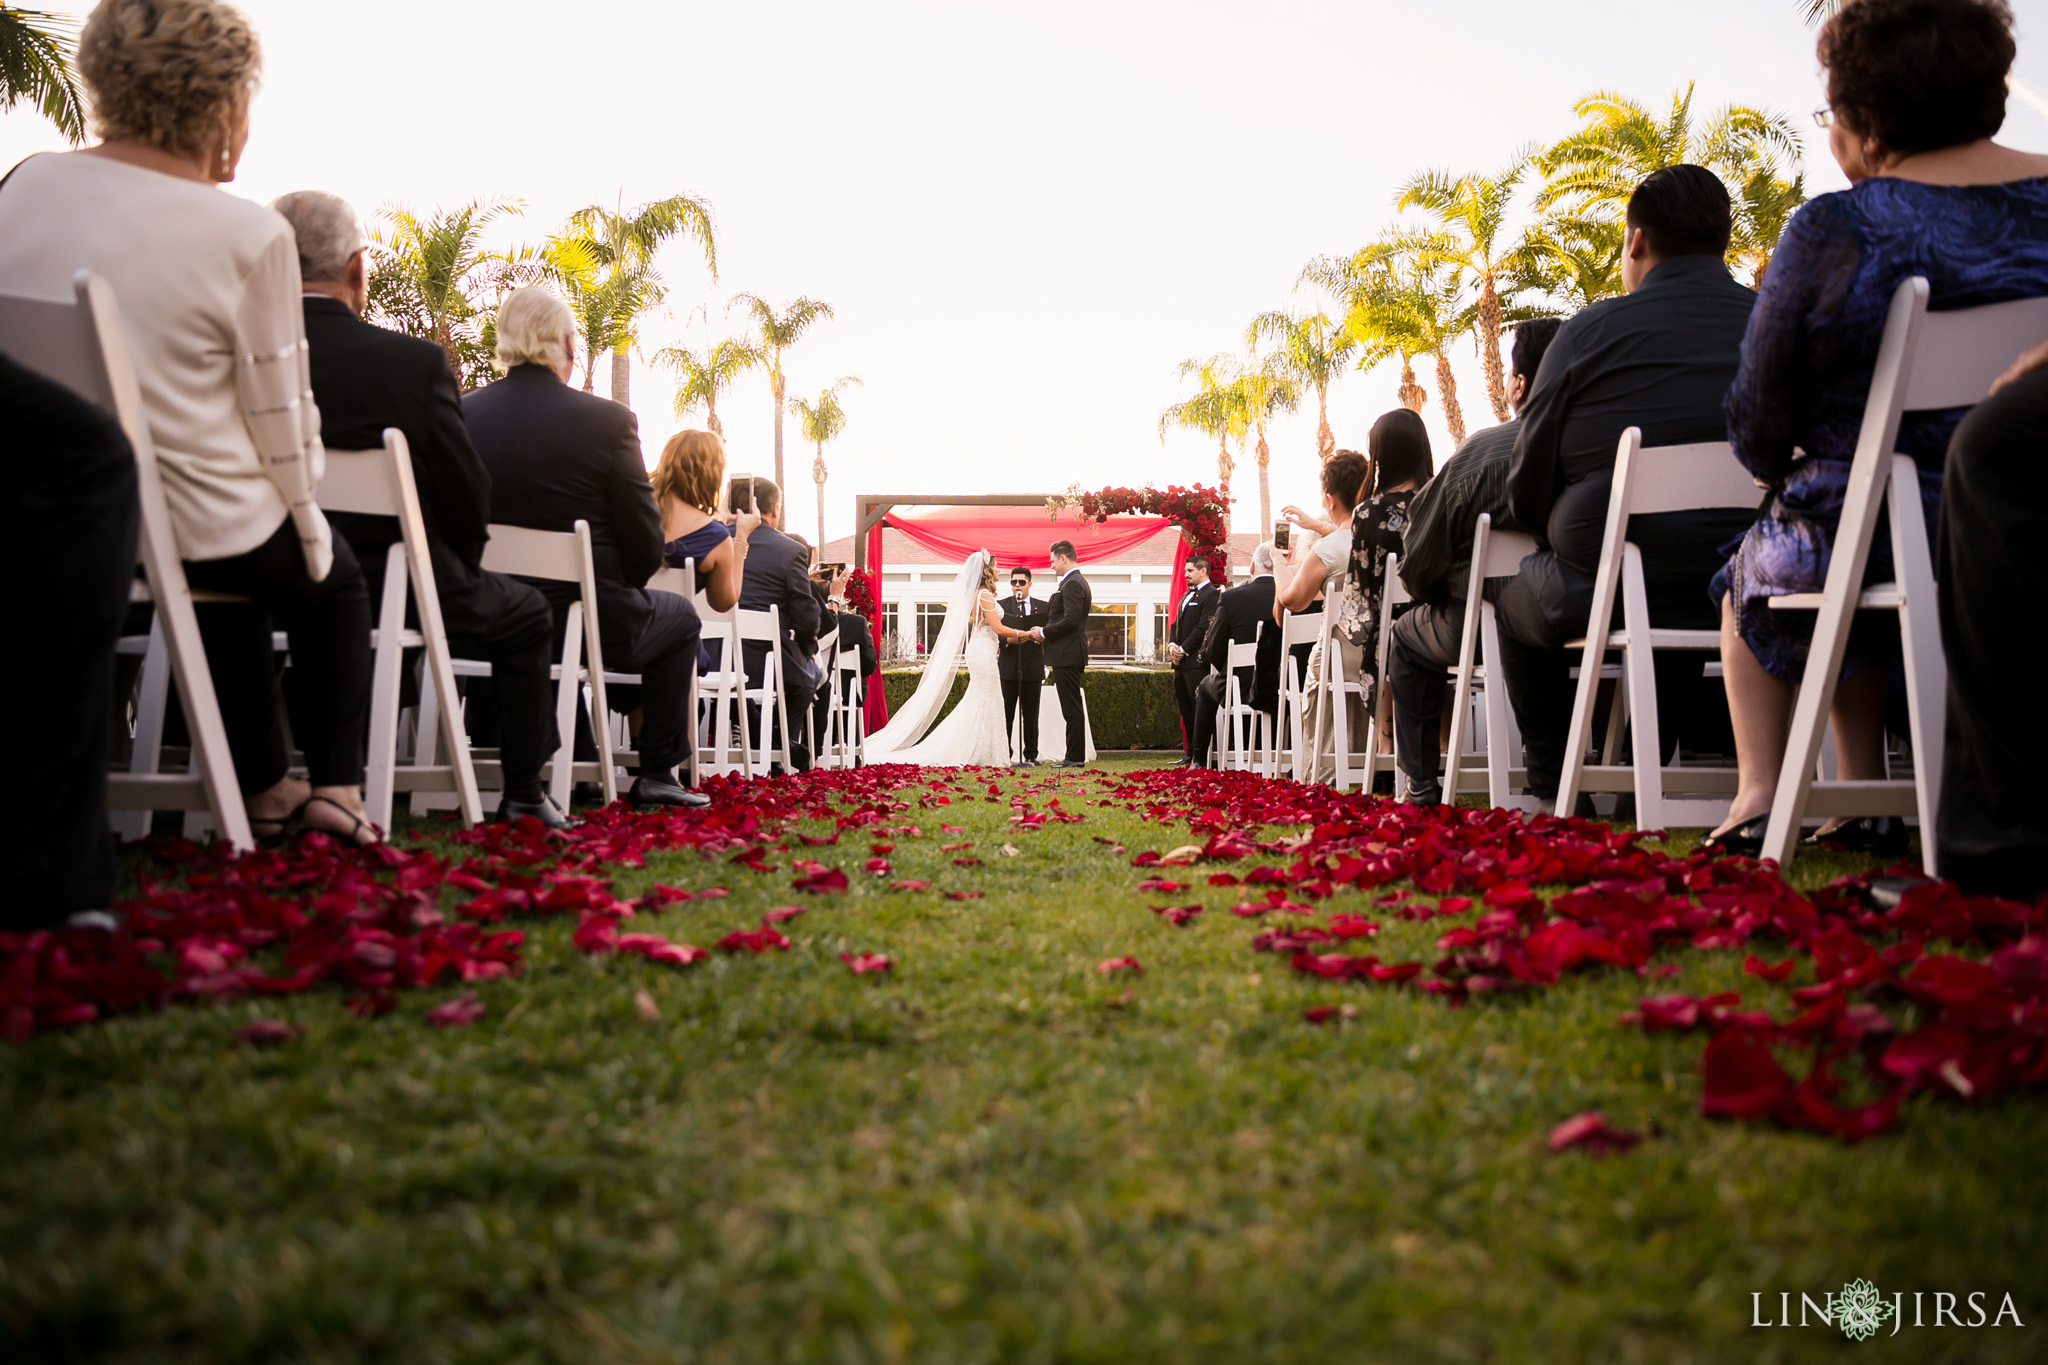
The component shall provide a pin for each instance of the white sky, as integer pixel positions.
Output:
(1025, 216)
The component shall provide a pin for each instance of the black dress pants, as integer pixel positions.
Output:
(1067, 682)
(1209, 706)
(71, 481)
(510, 624)
(664, 654)
(1425, 642)
(1185, 682)
(328, 626)
(1991, 561)
(1014, 690)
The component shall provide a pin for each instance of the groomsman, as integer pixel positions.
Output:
(1184, 649)
(1021, 663)
(1065, 636)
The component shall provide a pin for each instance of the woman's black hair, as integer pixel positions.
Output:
(1398, 450)
(1917, 75)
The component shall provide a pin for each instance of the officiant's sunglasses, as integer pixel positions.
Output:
(1020, 582)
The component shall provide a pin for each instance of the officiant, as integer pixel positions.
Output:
(1021, 663)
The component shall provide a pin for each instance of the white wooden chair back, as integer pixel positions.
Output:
(1393, 593)
(1295, 727)
(380, 483)
(1648, 480)
(80, 344)
(1495, 554)
(764, 628)
(1242, 730)
(1924, 361)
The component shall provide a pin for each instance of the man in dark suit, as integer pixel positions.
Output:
(829, 586)
(778, 574)
(1190, 629)
(1021, 663)
(557, 456)
(1243, 614)
(1660, 358)
(1065, 637)
(365, 379)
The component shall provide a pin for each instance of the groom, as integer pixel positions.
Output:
(1065, 638)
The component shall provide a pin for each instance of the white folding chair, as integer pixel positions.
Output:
(80, 345)
(1495, 554)
(1649, 480)
(823, 659)
(1393, 593)
(1925, 361)
(564, 557)
(380, 483)
(1242, 730)
(848, 709)
(771, 746)
(1296, 727)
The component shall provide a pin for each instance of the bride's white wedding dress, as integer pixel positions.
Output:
(973, 733)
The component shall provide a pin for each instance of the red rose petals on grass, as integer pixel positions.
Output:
(460, 1012)
(1591, 1131)
(864, 964)
(1119, 964)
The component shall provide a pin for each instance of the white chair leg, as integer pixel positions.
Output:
(1640, 675)
(378, 774)
(147, 756)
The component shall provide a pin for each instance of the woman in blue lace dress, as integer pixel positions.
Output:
(1916, 88)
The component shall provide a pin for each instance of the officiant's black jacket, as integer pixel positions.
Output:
(1022, 659)
(1066, 623)
(1239, 614)
(367, 378)
(1191, 627)
(556, 456)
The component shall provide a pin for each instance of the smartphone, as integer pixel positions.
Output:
(1280, 532)
(734, 482)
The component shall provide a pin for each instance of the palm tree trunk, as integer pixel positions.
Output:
(1447, 389)
(1326, 441)
(775, 388)
(1411, 394)
(1265, 496)
(711, 416)
(590, 363)
(1489, 348)
(1223, 465)
(622, 373)
(818, 474)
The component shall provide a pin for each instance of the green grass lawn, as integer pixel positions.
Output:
(992, 1153)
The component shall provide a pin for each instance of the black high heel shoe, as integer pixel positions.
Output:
(1745, 840)
(1875, 836)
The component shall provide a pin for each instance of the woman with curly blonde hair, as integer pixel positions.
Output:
(209, 289)
(687, 479)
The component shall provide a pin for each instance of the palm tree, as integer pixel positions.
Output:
(706, 374)
(1213, 411)
(1398, 304)
(1575, 259)
(778, 332)
(427, 275)
(1467, 214)
(622, 245)
(38, 55)
(1621, 141)
(1312, 350)
(1260, 393)
(820, 422)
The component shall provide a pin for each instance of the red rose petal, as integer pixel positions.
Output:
(460, 1012)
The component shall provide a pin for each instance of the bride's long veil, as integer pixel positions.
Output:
(941, 664)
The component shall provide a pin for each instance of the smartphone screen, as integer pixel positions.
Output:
(1280, 530)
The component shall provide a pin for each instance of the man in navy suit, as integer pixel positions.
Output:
(1021, 663)
(1065, 637)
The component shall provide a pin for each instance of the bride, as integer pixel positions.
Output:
(974, 734)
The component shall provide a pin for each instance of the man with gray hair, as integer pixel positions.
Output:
(366, 378)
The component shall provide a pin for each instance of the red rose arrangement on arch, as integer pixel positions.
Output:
(860, 594)
(1200, 513)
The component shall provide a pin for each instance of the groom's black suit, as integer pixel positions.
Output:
(1021, 666)
(1066, 653)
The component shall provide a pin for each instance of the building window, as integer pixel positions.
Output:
(1112, 632)
(930, 617)
(888, 625)
(1162, 632)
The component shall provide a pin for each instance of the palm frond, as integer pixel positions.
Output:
(38, 57)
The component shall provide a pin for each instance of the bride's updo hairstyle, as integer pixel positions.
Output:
(690, 471)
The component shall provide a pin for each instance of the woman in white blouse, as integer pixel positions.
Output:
(208, 286)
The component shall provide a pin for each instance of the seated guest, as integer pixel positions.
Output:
(1659, 358)
(1916, 89)
(1992, 832)
(1190, 629)
(1243, 614)
(557, 456)
(367, 378)
(1436, 563)
(778, 575)
(829, 583)
(687, 479)
(71, 477)
(1325, 574)
(208, 286)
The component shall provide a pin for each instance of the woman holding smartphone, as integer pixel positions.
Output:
(689, 480)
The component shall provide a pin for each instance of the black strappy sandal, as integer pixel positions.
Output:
(288, 824)
(1745, 840)
(354, 835)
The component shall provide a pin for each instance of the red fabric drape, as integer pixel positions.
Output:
(876, 706)
(1021, 535)
(1176, 587)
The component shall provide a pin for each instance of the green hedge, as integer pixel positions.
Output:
(1127, 708)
